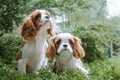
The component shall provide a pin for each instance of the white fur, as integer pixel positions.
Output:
(33, 52)
(65, 58)
(65, 41)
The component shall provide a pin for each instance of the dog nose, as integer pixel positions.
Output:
(47, 17)
(64, 45)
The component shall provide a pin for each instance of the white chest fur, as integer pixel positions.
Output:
(66, 60)
(33, 53)
(63, 59)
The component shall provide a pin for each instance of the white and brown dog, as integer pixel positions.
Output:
(34, 31)
(66, 50)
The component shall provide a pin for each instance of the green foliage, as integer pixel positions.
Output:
(70, 5)
(13, 11)
(106, 70)
(8, 73)
(99, 70)
(95, 39)
(9, 13)
(9, 46)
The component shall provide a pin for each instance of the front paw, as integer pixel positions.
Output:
(36, 72)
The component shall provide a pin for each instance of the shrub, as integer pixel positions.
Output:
(8, 73)
(95, 39)
(10, 13)
(95, 48)
(99, 70)
(106, 70)
(9, 46)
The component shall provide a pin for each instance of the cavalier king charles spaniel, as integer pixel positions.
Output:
(34, 31)
(66, 51)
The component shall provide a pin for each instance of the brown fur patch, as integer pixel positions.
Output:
(19, 54)
(51, 32)
(47, 13)
(78, 51)
(52, 48)
(28, 30)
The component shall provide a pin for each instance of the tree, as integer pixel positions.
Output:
(10, 12)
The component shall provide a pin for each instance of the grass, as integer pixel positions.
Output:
(99, 70)
(8, 73)
(116, 62)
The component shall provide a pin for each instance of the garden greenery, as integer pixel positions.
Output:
(84, 19)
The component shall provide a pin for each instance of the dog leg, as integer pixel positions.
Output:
(84, 70)
(22, 65)
(45, 63)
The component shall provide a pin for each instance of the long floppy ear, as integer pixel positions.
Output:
(28, 30)
(78, 50)
(51, 50)
(51, 31)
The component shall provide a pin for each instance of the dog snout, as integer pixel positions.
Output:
(47, 17)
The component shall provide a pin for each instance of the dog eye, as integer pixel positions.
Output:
(58, 42)
(38, 16)
(71, 43)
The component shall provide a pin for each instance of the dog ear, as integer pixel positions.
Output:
(51, 50)
(51, 31)
(28, 30)
(78, 50)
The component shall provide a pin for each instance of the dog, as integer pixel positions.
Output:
(66, 51)
(34, 30)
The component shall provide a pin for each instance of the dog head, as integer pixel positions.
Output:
(65, 42)
(39, 20)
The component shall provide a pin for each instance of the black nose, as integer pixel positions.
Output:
(47, 17)
(64, 45)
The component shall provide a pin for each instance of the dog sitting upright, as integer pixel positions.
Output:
(34, 31)
(66, 51)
